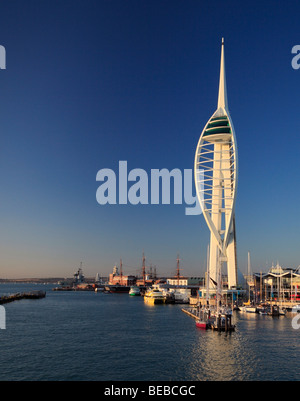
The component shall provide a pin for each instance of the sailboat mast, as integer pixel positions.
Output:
(207, 276)
(249, 273)
(178, 270)
(144, 269)
(219, 284)
(121, 271)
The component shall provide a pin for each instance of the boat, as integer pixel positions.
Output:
(153, 297)
(117, 288)
(282, 311)
(221, 323)
(296, 309)
(201, 324)
(248, 306)
(274, 310)
(204, 318)
(134, 291)
(251, 309)
(181, 296)
(169, 297)
(248, 309)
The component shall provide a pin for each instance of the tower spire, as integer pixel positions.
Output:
(216, 183)
(222, 100)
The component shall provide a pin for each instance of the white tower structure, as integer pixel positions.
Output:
(216, 183)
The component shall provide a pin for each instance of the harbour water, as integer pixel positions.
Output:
(84, 335)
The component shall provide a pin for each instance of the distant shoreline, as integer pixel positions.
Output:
(45, 280)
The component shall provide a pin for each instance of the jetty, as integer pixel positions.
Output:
(222, 322)
(24, 295)
(191, 314)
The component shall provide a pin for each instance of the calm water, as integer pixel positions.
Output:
(92, 336)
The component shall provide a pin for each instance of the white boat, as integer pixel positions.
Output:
(248, 309)
(296, 309)
(251, 309)
(134, 291)
(181, 297)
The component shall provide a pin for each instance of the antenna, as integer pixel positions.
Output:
(178, 269)
(144, 268)
(222, 99)
(121, 271)
(249, 265)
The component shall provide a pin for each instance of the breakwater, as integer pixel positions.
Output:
(22, 295)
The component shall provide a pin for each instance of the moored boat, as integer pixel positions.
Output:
(248, 309)
(121, 289)
(295, 309)
(134, 291)
(154, 297)
(201, 324)
(251, 309)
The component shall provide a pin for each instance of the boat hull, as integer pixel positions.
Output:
(134, 291)
(153, 301)
(251, 310)
(119, 289)
(201, 324)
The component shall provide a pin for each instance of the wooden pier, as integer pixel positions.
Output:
(189, 313)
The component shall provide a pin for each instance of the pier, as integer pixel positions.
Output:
(19, 296)
(219, 323)
(193, 315)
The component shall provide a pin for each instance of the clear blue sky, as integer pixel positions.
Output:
(89, 83)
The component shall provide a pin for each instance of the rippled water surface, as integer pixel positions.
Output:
(92, 336)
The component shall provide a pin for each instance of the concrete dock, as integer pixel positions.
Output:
(24, 295)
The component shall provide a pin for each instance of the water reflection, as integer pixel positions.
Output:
(260, 349)
(221, 356)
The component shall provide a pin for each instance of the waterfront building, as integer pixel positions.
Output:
(215, 171)
(181, 280)
(278, 284)
(121, 280)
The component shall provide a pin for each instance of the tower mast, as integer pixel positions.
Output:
(215, 172)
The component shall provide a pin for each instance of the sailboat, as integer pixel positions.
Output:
(248, 307)
(281, 309)
(204, 314)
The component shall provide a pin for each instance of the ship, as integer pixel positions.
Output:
(117, 288)
(153, 297)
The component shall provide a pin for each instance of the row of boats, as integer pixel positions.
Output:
(221, 318)
(271, 310)
(155, 296)
(214, 318)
